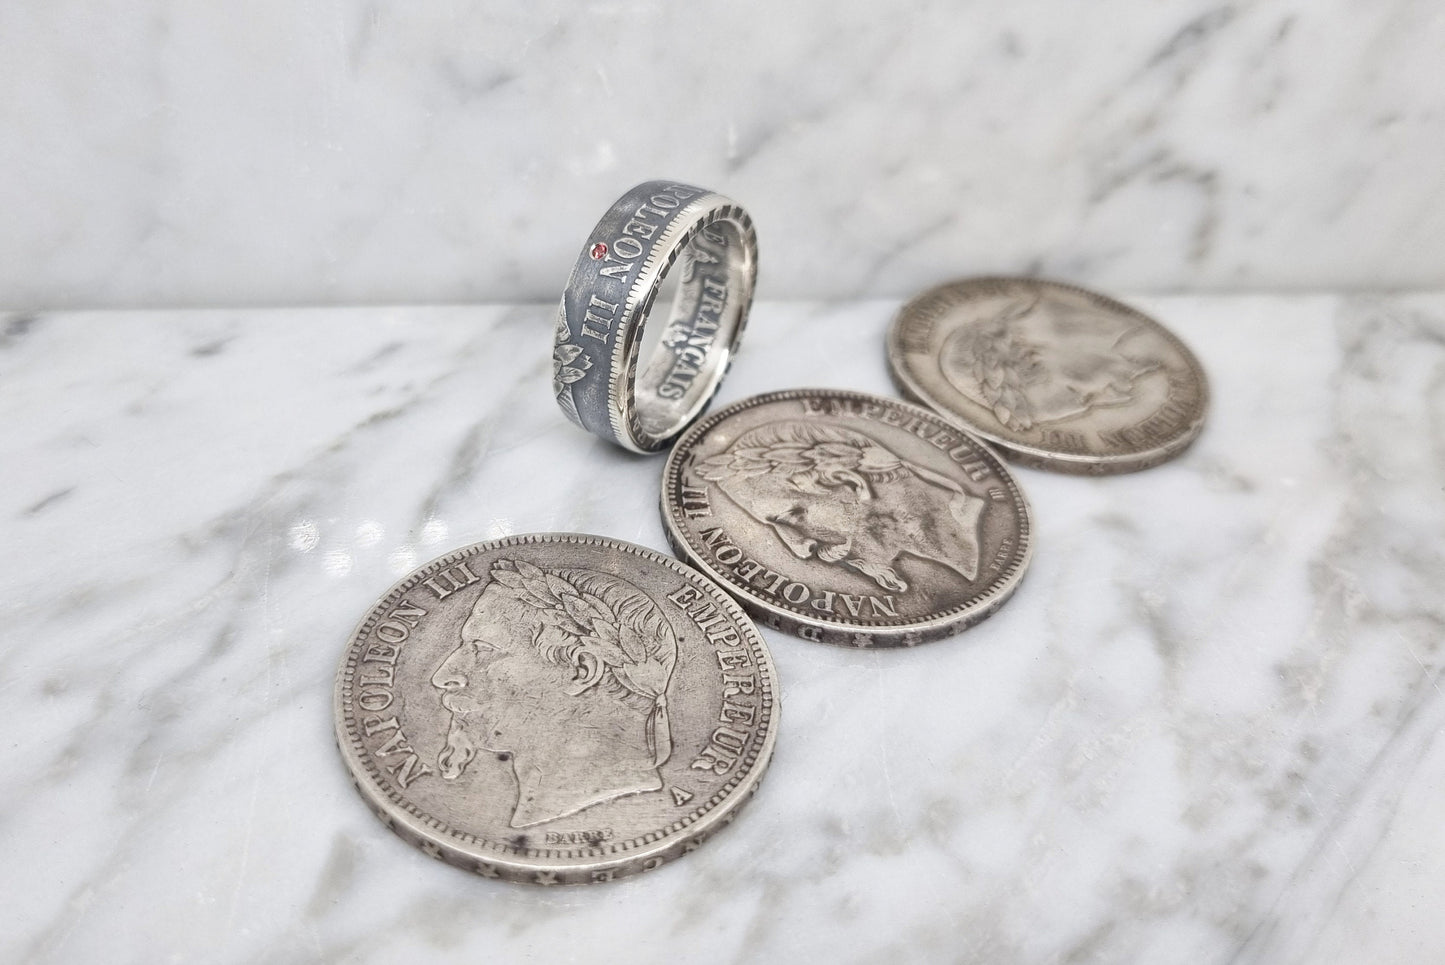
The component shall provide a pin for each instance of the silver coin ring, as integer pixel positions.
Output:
(659, 228)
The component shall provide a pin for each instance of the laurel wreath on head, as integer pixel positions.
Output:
(576, 613)
(996, 361)
(827, 463)
(584, 621)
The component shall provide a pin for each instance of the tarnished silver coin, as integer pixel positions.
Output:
(556, 708)
(847, 518)
(1056, 376)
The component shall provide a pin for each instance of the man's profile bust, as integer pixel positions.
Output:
(840, 496)
(1039, 361)
(566, 671)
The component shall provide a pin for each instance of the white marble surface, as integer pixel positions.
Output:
(1205, 730)
(188, 154)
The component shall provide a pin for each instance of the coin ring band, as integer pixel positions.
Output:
(596, 373)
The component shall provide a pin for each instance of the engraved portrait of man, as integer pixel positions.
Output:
(1034, 364)
(566, 671)
(840, 496)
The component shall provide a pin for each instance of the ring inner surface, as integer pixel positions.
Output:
(680, 367)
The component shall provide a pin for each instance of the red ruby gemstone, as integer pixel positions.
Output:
(599, 251)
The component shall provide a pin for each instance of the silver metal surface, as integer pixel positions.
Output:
(1056, 376)
(708, 243)
(556, 708)
(847, 518)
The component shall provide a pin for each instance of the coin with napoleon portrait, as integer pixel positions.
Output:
(556, 708)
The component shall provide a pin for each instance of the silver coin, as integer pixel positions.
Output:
(1056, 376)
(847, 518)
(556, 708)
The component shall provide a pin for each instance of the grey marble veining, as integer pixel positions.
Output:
(190, 154)
(1205, 730)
